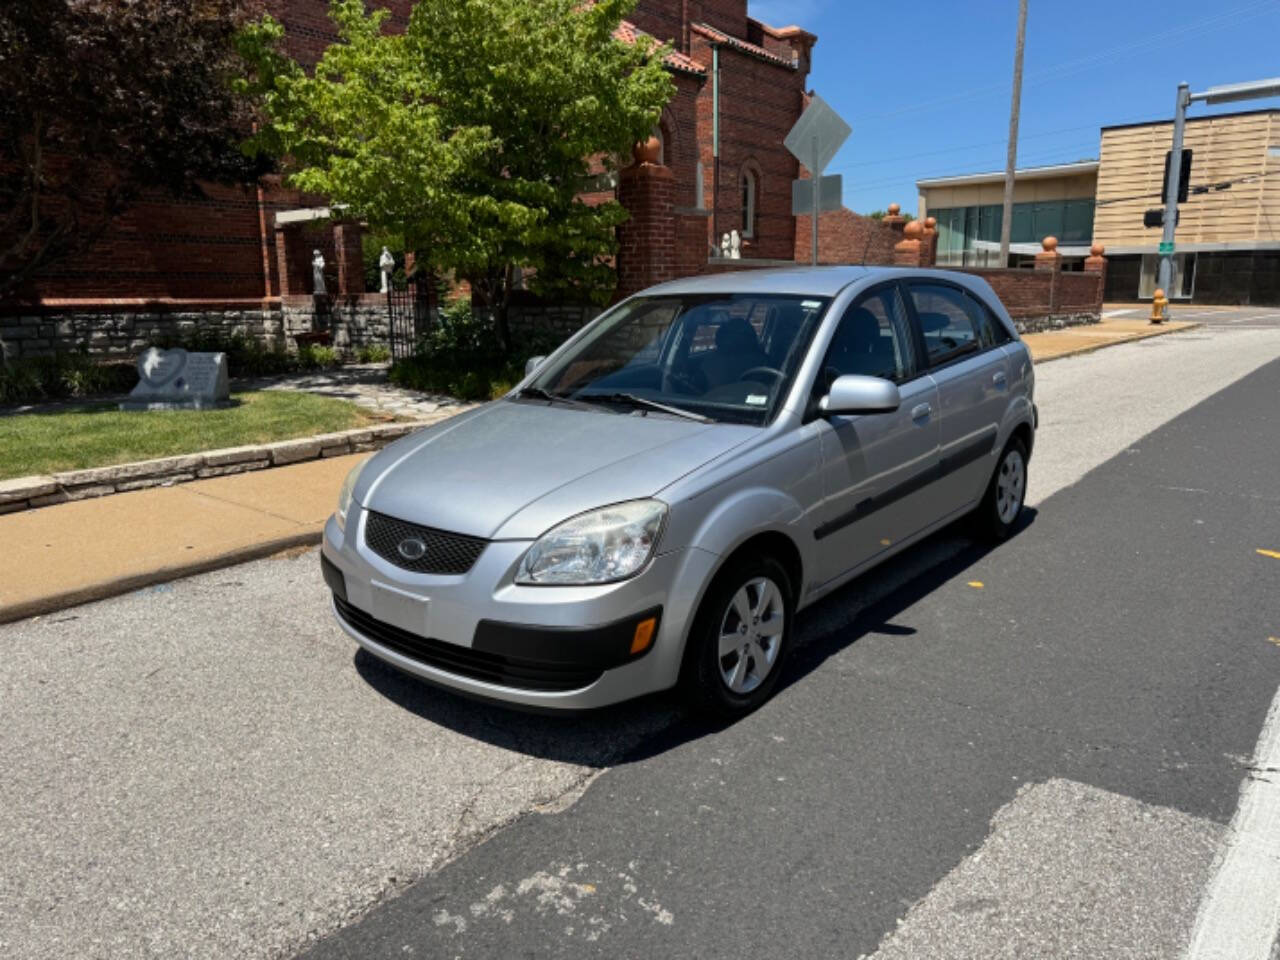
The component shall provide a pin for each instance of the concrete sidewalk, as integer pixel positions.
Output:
(1069, 341)
(72, 553)
(59, 556)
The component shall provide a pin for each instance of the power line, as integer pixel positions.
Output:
(1201, 190)
(1068, 67)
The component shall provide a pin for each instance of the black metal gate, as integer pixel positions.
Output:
(408, 316)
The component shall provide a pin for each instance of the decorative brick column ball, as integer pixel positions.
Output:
(1096, 262)
(1049, 258)
(907, 251)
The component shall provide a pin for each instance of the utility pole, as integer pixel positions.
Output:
(1011, 160)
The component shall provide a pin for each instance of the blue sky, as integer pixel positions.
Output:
(926, 85)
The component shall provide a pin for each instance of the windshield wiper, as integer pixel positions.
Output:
(637, 401)
(537, 393)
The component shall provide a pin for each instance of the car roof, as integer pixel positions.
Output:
(800, 280)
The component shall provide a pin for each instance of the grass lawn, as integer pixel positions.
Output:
(75, 437)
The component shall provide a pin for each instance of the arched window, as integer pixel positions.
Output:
(750, 187)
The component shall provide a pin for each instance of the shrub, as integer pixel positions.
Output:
(460, 356)
(61, 376)
(373, 353)
(313, 356)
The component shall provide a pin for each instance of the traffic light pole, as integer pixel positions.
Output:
(1165, 277)
(1229, 93)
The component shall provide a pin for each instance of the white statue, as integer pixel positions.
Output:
(735, 245)
(724, 246)
(317, 273)
(386, 264)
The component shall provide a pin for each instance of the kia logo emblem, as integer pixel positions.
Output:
(412, 548)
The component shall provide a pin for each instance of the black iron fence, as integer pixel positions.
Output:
(408, 315)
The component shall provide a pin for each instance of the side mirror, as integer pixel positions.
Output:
(854, 393)
(532, 364)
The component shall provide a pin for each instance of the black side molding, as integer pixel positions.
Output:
(959, 459)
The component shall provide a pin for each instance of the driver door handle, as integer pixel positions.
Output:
(998, 379)
(921, 411)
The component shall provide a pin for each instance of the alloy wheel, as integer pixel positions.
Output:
(751, 635)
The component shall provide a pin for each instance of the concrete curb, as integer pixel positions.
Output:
(28, 493)
(1091, 347)
(114, 588)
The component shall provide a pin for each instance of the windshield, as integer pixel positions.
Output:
(723, 357)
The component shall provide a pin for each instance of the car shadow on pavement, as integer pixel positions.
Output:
(643, 728)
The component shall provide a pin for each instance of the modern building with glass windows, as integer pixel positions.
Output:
(1048, 201)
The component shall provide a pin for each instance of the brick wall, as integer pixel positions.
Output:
(760, 102)
(846, 237)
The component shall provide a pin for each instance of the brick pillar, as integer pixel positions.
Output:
(929, 243)
(908, 251)
(1096, 262)
(349, 247)
(1050, 260)
(293, 261)
(894, 219)
(647, 240)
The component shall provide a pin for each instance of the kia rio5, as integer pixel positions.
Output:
(656, 501)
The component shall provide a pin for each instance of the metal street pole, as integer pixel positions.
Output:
(817, 179)
(1011, 160)
(1164, 279)
(715, 147)
(1228, 93)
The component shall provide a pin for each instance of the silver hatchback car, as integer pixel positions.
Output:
(658, 498)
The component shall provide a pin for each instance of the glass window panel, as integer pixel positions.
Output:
(1023, 231)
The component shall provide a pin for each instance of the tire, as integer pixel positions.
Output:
(727, 686)
(1001, 506)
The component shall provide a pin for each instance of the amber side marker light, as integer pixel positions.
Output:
(643, 635)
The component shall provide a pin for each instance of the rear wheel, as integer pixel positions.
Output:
(739, 638)
(1002, 504)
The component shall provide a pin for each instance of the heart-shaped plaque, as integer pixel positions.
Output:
(157, 367)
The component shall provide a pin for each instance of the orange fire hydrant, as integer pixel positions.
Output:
(1159, 304)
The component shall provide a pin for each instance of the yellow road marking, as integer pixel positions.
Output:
(977, 584)
(1273, 554)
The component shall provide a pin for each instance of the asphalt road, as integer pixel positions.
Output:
(1116, 654)
(207, 769)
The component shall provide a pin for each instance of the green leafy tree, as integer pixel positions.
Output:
(471, 134)
(101, 100)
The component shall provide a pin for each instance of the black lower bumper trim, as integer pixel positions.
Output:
(536, 664)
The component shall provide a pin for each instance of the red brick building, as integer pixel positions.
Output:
(227, 254)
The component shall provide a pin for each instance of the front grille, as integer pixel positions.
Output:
(465, 661)
(445, 553)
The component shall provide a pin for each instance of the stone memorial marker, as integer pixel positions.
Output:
(178, 380)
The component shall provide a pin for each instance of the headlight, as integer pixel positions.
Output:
(347, 492)
(602, 546)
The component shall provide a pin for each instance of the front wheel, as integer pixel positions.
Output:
(1002, 504)
(739, 638)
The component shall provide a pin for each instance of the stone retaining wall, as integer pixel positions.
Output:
(115, 330)
(26, 493)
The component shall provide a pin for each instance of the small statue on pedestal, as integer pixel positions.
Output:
(724, 246)
(386, 265)
(317, 274)
(735, 245)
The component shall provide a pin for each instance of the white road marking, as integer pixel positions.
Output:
(1239, 916)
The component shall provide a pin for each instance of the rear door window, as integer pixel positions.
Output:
(948, 326)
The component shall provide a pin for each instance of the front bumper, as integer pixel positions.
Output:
(568, 648)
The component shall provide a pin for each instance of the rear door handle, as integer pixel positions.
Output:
(998, 379)
(920, 411)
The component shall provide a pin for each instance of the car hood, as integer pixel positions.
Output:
(512, 470)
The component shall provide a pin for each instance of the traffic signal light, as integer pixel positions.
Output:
(1184, 177)
(1155, 218)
